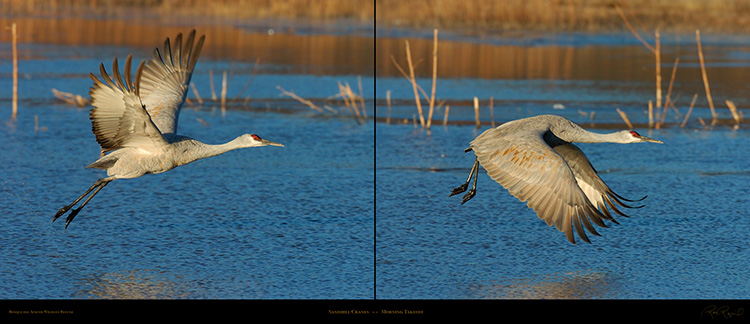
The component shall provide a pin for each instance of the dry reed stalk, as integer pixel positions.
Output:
(592, 117)
(345, 96)
(657, 54)
(406, 76)
(656, 50)
(632, 30)
(350, 101)
(684, 121)
(388, 100)
(211, 81)
(70, 98)
(300, 99)
(14, 36)
(668, 101)
(705, 76)
(492, 111)
(445, 117)
(252, 77)
(195, 92)
(205, 123)
(361, 97)
(36, 123)
(702, 122)
(650, 114)
(224, 92)
(476, 112)
(413, 81)
(434, 77)
(735, 115)
(625, 118)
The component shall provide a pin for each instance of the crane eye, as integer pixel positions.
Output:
(256, 137)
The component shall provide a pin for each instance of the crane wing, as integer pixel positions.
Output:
(598, 193)
(118, 118)
(165, 80)
(524, 164)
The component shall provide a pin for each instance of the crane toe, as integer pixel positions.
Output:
(459, 189)
(71, 216)
(469, 195)
(60, 213)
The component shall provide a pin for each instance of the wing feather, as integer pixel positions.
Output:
(524, 164)
(166, 78)
(118, 118)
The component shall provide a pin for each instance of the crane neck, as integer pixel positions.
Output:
(191, 150)
(574, 133)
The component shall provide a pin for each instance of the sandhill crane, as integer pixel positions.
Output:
(135, 122)
(533, 159)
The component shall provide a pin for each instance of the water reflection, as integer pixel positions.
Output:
(317, 54)
(574, 285)
(133, 284)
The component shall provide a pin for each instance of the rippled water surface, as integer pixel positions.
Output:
(361, 211)
(690, 241)
(262, 223)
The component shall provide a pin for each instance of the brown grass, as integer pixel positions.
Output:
(579, 15)
(296, 9)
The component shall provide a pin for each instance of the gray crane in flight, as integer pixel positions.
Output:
(135, 121)
(533, 159)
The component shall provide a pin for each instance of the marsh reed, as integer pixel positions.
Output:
(300, 99)
(416, 88)
(625, 118)
(735, 114)
(656, 50)
(705, 77)
(70, 98)
(690, 110)
(14, 104)
(476, 112)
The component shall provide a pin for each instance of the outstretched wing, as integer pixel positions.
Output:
(118, 118)
(165, 80)
(524, 164)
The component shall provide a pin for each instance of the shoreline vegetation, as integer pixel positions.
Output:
(656, 114)
(229, 9)
(475, 16)
(471, 16)
(145, 23)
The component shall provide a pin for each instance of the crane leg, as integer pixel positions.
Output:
(465, 186)
(473, 190)
(98, 185)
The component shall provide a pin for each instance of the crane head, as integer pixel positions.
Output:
(256, 140)
(636, 138)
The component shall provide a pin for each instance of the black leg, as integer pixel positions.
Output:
(66, 208)
(473, 190)
(465, 186)
(98, 185)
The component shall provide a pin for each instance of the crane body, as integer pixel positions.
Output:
(135, 120)
(535, 160)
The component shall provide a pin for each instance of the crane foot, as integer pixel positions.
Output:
(60, 212)
(71, 216)
(459, 189)
(469, 195)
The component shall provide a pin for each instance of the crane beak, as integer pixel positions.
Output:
(650, 140)
(267, 142)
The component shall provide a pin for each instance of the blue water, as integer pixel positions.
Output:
(689, 242)
(262, 223)
(361, 211)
